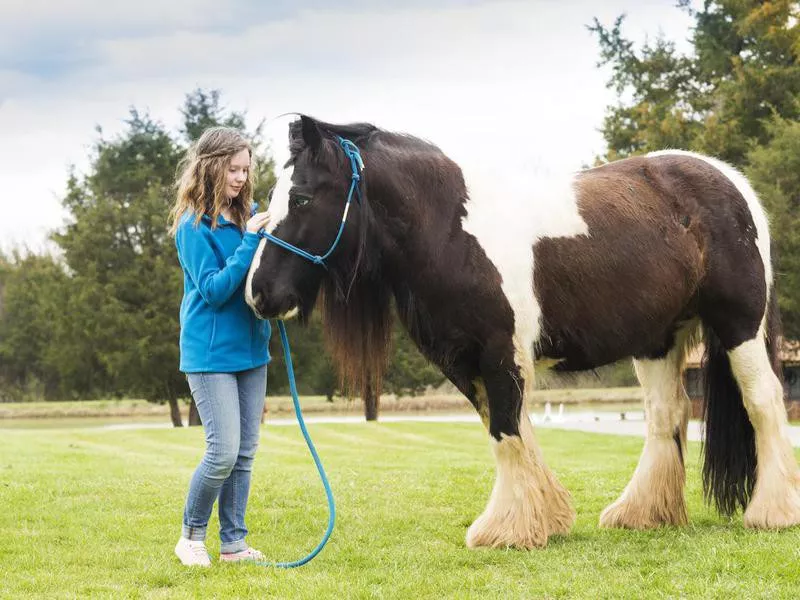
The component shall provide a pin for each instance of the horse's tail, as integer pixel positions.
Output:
(729, 465)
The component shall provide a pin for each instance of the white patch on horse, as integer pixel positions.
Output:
(507, 217)
(279, 204)
(289, 314)
(248, 286)
(753, 205)
(278, 210)
(776, 496)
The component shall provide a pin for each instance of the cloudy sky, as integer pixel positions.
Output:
(514, 81)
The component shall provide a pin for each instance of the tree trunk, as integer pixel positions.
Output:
(175, 413)
(371, 402)
(194, 416)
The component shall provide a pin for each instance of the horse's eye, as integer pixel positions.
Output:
(298, 200)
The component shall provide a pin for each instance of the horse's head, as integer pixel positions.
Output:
(306, 206)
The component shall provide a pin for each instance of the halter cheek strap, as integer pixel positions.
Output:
(356, 165)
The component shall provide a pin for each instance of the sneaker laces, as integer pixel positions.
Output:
(246, 554)
(198, 549)
(255, 554)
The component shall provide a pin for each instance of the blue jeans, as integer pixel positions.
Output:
(230, 407)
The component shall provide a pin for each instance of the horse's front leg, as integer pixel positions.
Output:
(527, 504)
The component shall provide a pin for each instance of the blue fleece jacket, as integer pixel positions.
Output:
(219, 332)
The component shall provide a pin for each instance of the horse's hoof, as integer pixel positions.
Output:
(492, 532)
(774, 507)
(626, 513)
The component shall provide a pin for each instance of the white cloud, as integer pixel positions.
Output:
(511, 82)
(30, 16)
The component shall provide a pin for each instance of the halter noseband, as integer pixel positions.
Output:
(356, 166)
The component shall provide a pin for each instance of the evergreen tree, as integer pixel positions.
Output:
(774, 170)
(736, 97)
(32, 294)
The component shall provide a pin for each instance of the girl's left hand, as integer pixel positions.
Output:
(257, 222)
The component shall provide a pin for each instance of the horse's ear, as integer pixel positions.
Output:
(312, 135)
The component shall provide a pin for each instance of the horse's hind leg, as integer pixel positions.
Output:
(527, 503)
(654, 496)
(775, 502)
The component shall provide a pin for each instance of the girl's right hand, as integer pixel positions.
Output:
(257, 222)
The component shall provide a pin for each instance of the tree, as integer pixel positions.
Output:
(372, 400)
(409, 373)
(736, 97)
(717, 100)
(122, 263)
(664, 102)
(313, 367)
(747, 50)
(202, 109)
(774, 170)
(32, 290)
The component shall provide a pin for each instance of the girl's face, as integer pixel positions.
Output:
(237, 173)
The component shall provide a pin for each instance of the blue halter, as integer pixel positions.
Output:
(356, 166)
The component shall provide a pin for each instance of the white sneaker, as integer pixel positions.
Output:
(247, 554)
(192, 553)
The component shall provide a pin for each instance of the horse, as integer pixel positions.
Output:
(640, 258)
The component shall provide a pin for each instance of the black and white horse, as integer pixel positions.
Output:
(642, 258)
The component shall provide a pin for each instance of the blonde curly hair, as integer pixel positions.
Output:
(201, 179)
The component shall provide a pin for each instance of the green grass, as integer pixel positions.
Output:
(90, 513)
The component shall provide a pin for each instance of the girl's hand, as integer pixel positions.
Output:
(257, 222)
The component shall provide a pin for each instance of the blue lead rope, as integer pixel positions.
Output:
(331, 506)
(356, 166)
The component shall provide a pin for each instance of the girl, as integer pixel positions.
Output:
(223, 346)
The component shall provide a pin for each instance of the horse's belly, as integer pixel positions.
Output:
(601, 301)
